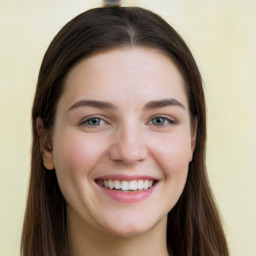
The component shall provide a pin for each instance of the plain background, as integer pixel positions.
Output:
(221, 35)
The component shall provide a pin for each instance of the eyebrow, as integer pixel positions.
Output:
(107, 105)
(93, 103)
(163, 103)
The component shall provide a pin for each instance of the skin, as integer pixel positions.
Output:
(126, 140)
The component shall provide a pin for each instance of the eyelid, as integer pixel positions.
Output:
(84, 120)
(170, 119)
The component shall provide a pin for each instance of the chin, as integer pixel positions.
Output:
(135, 229)
(130, 232)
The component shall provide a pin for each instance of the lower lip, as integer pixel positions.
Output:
(128, 197)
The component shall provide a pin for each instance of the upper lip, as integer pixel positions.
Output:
(125, 177)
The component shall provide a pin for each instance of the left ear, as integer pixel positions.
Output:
(193, 135)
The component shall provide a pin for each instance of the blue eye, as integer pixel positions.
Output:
(161, 121)
(93, 121)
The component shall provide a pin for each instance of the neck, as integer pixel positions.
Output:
(84, 241)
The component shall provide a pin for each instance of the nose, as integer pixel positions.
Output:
(129, 145)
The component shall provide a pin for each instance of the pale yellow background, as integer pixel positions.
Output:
(222, 37)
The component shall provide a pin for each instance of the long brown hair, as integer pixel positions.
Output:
(194, 226)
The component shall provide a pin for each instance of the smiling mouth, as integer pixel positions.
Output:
(126, 186)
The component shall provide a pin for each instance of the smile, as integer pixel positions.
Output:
(125, 185)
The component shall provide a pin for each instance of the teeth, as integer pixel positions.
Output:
(145, 186)
(117, 184)
(133, 185)
(124, 185)
(140, 185)
(110, 184)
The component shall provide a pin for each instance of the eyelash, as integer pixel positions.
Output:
(86, 121)
(102, 121)
(165, 119)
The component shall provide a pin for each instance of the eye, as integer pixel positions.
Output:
(161, 121)
(93, 121)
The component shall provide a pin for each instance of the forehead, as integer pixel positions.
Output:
(125, 72)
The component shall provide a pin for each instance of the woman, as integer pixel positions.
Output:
(119, 132)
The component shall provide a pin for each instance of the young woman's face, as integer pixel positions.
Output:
(122, 141)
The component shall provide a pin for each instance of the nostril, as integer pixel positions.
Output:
(128, 153)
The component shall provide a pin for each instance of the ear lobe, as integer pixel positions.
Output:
(45, 144)
(48, 161)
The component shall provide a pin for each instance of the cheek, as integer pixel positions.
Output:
(75, 155)
(173, 154)
(173, 157)
(74, 151)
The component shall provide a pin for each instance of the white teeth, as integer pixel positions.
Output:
(117, 184)
(110, 184)
(133, 185)
(124, 185)
(140, 185)
(145, 186)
